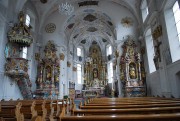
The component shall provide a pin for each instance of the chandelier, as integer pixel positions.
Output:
(66, 8)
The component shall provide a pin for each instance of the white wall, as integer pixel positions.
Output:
(172, 70)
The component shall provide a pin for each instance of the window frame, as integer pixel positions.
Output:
(144, 10)
(24, 52)
(176, 17)
(27, 20)
(110, 72)
(79, 73)
(108, 50)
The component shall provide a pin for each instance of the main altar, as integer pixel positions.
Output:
(94, 73)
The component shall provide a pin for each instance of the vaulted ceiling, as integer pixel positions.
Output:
(86, 25)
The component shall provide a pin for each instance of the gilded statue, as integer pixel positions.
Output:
(95, 73)
(48, 74)
(132, 72)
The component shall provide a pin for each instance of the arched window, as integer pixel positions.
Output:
(172, 20)
(144, 9)
(24, 52)
(79, 51)
(79, 73)
(28, 20)
(108, 50)
(150, 51)
(176, 11)
(110, 72)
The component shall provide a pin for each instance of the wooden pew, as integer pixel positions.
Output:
(127, 106)
(130, 117)
(28, 109)
(92, 100)
(11, 111)
(40, 108)
(119, 100)
(127, 102)
(154, 110)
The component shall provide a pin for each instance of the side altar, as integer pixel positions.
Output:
(132, 74)
(48, 74)
(94, 73)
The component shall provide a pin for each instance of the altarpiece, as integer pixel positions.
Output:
(131, 70)
(95, 73)
(48, 74)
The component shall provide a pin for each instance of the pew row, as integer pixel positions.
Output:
(124, 117)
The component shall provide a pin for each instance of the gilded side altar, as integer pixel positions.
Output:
(48, 74)
(132, 71)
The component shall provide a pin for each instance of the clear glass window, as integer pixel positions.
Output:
(24, 52)
(79, 52)
(79, 73)
(110, 72)
(27, 22)
(176, 11)
(109, 50)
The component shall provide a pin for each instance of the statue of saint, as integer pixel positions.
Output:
(95, 73)
(48, 74)
(132, 72)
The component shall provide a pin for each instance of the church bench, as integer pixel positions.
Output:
(151, 117)
(134, 99)
(28, 109)
(10, 110)
(106, 103)
(127, 106)
(33, 109)
(153, 110)
(40, 108)
(64, 103)
(54, 108)
(130, 117)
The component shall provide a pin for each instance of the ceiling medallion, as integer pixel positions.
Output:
(90, 18)
(127, 22)
(92, 29)
(50, 28)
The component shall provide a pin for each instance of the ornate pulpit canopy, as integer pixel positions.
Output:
(20, 33)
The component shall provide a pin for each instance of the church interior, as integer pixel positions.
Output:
(89, 49)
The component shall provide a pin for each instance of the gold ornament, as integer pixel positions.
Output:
(50, 28)
(127, 22)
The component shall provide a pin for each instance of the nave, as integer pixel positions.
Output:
(92, 109)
